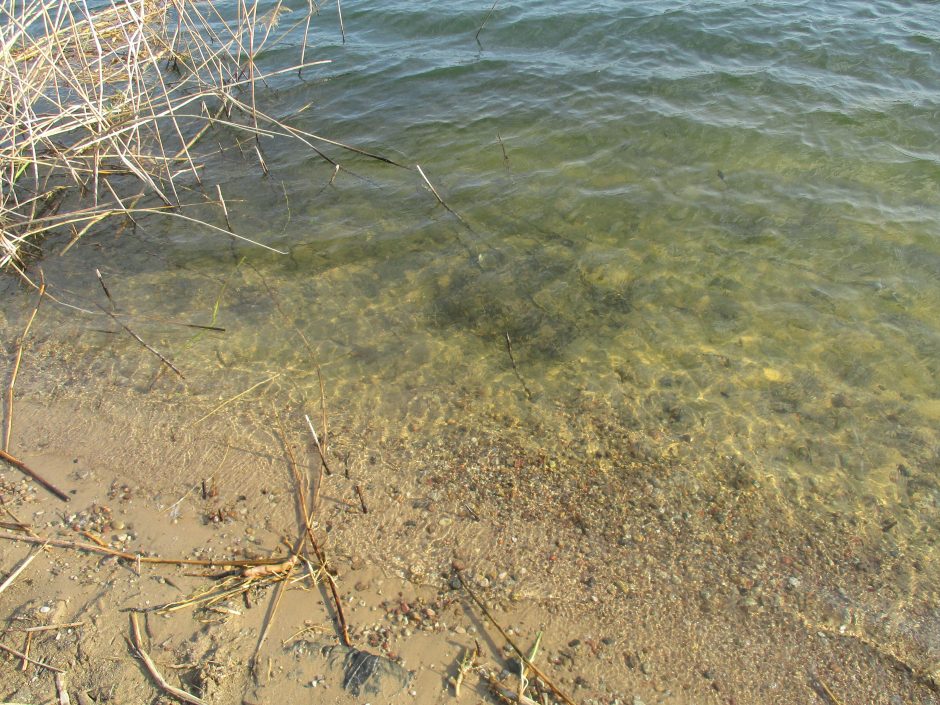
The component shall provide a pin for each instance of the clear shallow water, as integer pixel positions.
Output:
(715, 223)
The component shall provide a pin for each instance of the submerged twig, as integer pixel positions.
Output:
(316, 440)
(485, 20)
(8, 428)
(235, 398)
(515, 368)
(141, 341)
(503, 147)
(438, 197)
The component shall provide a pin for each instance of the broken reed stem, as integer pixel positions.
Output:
(152, 668)
(136, 558)
(26, 658)
(503, 147)
(438, 197)
(485, 20)
(228, 223)
(19, 569)
(141, 341)
(316, 440)
(61, 689)
(525, 659)
(342, 29)
(22, 467)
(8, 427)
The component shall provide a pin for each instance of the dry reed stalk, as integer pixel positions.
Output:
(14, 574)
(136, 558)
(96, 100)
(154, 672)
(308, 514)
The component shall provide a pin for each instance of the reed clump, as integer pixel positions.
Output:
(103, 107)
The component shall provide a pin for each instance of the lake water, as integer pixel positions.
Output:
(715, 223)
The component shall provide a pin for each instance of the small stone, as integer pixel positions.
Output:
(793, 583)
(637, 700)
(45, 609)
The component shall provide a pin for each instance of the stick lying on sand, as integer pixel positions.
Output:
(152, 668)
(22, 467)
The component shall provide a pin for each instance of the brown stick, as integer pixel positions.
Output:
(152, 668)
(8, 429)
(22, 467)
(525, 659)
(16, 653)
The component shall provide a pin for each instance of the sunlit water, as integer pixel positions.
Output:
(714, 222)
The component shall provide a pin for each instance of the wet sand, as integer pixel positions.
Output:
(648, 586)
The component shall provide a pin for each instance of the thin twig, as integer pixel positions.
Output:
(362, 501)
(515, 369)
(235, 398)
(485, 20)
(152, 668)
(61, 689)
(134, 557)
(141, 341)
(20, 655)
(8, 428)
(438, 196)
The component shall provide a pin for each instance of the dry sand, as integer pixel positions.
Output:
(647, 588)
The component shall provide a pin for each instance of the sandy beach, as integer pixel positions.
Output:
(674, 593)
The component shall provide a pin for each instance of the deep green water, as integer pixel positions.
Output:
(717, 223)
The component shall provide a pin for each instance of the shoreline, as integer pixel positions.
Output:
(660, 597)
